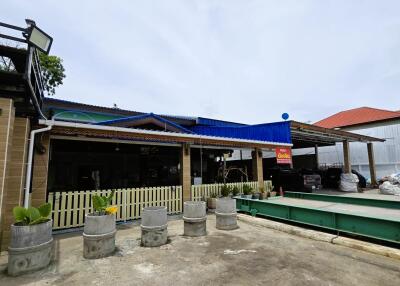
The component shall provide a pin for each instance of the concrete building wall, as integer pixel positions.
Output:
(7, 113)
(15, 179)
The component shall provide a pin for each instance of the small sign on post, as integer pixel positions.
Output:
(283, 155)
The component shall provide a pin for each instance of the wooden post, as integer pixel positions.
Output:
(186, 179)
(346, 157)
(224, 169)
(257, 163)
(316, 156)
(371, 161)
(40, 171)
(291, 158)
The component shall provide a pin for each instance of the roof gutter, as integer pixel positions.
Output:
(151, 132)
(29, 164)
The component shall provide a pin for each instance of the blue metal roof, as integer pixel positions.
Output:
(270, 132)
(216, 122)
(144, 116)
(278, 132)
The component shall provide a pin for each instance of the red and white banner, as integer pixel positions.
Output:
(283, 155)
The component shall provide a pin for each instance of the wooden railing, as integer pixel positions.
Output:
(202, 192)
(70, 208)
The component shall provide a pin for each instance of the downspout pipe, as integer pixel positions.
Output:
(30, 159)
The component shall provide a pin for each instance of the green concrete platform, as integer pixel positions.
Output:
(330, 212)
(353, 198)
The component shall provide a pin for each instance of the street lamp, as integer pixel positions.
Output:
(37, 37)
(33, 36)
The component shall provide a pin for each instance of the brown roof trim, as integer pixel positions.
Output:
(336, 135)
(167, 138)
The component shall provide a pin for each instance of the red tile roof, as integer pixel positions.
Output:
(357, 116)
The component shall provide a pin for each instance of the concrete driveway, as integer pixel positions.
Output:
(250, 255)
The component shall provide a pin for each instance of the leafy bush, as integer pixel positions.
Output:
(225, 190)
(102, 205)
(247, 190)
(213, 195)
(235, 191)
(32, 215)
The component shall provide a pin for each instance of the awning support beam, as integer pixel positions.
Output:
(346, 157)
(371, 161)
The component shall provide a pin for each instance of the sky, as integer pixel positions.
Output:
(247, 61)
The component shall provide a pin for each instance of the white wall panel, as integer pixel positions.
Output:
(387, 154)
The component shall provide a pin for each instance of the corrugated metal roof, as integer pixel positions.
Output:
(357, 116)
(141, 117)
(54, 103)
(269, 132)
(216, 122)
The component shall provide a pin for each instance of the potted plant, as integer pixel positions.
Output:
(212, 201)
(263, 194)
(247, 190)
(99, 230)
(273, 193)
(31, 239)
(225, 191)
(235, 191)
(255, 195)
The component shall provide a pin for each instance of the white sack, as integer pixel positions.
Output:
(348, 182)
(388, 188)
(394, 178)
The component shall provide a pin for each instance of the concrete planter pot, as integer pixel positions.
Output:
(273, 194)
(98, 236)
(256, 196)
(194, 217)
(154, 226)
(226, 216)
(212, 203)
(263, 196)
(247, 196)
(30, 248)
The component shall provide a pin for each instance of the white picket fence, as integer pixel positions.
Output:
(70, 208)
(204, 191)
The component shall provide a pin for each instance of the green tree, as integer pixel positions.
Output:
(53, 72)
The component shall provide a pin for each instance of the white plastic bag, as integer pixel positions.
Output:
(348, 182)
(388, 188)
(394, 178)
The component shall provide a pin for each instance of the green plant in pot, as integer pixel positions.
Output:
(102, 205)
(235, 191)
(31, 215)
(225, 191)
(31, 239)
(263, 193)
(99, 230)
(247, 192)
(256, 195)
